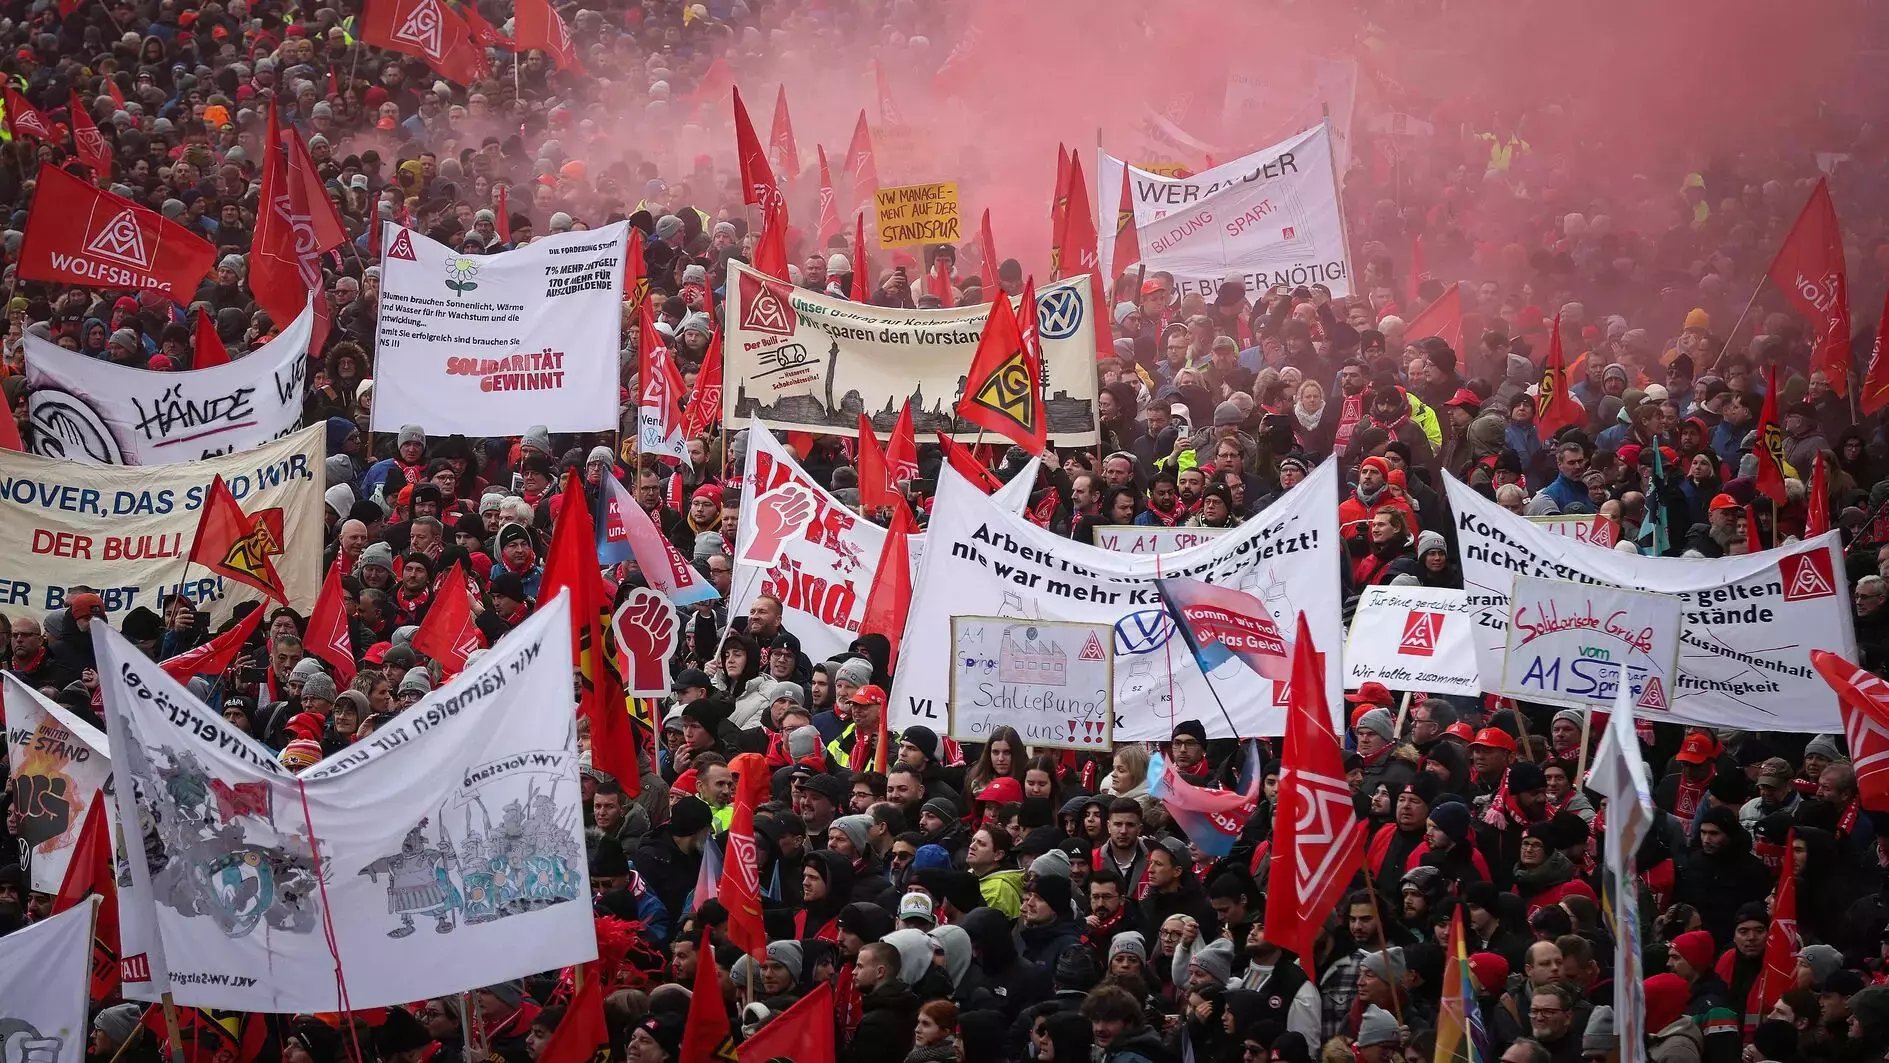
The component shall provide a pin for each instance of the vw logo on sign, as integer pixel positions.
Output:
(1058, 314)
(1143, 632)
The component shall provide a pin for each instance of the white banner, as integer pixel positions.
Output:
(1568, 641)
(1582, 527)
(1749, 622)
(443, 853)
(124, 530)
(1413, 638)
(1274, 217)
(805, 361)
(982, 561)
(90, 410)
(806, 549)
(1152, 539)
(489, 344)
(46, 987)
(59, 765)
(1051, 681)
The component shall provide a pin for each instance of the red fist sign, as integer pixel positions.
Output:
(779, 515)
(647, 632)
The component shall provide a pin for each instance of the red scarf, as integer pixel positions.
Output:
(1350, 412)
(531, 562)
(1848, 823)
(1690, 792)
(1171, 518)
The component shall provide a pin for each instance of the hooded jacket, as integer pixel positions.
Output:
(885, 1028)
(1718, 884)
(1014, 981)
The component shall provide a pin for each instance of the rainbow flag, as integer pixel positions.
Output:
(1460, 1037)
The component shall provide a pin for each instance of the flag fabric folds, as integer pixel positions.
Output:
(1004, 391)
(1212, 818)
(1555, 405)
(327, 635)
(1772, 468)
(1809, 269)
(447, 632)
(237, 546)
(1863, 698)
(571, 564)
(78, 234)
(890, 599)
(215, 656)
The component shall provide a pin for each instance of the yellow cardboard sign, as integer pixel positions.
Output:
(918, 214)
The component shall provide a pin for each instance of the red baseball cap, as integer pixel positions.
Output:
(1495, 737)
(870, 694)
(1724, 501)
(1461, 730)
(1002, 789)
(1696, 749)
(1465, 397)
(377, 653)
(1372, 693)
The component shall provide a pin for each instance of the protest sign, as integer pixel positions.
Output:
(46, 984)
(1273, 217)
(91, 410)
(59, 765)
(1413, 638)
(982, 561)
(442, 853)
(809, 362)
(1749, 621)
(124, 530)
(486, 344)
(918, 214)
(1153, 538)
(1567, 643)
(1053, 682)
(1582, 527)
(804, 548)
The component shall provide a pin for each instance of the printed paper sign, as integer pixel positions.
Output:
(981, 561)
(918, 214)
(1273, 217)
(808, 362)
(1413, 638)
(1749, 621)
(1154, 539)
(89, 410)
(489, 344)
(1589, 528)
(1567, 644)
(124, 530)
(59, 764)
(1053, 682)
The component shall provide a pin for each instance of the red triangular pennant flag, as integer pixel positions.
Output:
(1817, 500)
(803, 1031)
(1809, 268)
(536, 25)
(91, 871)
(1004, 391)
(1555, 406)
(967, 464)
(938, 282)
(740, 891)
(88, 143)
(213, 657)
(890, 600)
(25, 120)
(780, 139)
(707, 1036)
(1876, 379)
(829, 210)
(862, 291)
(431, 31)
(987, 247)
(758, 186)
(327, 634)
(1782, 941)
(1127, 250)
(571, 564)
(207, 350)
(1863, 698)
(1770, 449)
(447, 632)
(875, 479)
(1442, 318)
(901, 450)
(237, 546)
(862, 165)
(703, 412)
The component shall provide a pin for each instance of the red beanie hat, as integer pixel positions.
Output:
(1491, 970)
(1666, 997)
(1698, 948)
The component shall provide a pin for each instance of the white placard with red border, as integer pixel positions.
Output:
(1567, 643)
(1747, 627)
(1053, 682)
(1413, 638)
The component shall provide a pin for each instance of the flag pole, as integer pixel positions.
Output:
(1746, 312)
(171, 1029)
(136, 1032)
(1403, 710)
(1587, 731)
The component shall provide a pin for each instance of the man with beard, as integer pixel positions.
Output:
(1489, 756)
(1395, 844)
(1518, 803)
(1287, 997)
(1390, 411)
(1109, 912)
(1723, 874)
(1347, 410)
(1372, 493)
(414, 595)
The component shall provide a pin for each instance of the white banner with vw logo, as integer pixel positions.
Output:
(983, 561)
(91, 410)
(800, 360)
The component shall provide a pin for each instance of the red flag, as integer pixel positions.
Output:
(704, 410)
(713, 87)
(888, 111)
(1782, 941)
(78, 234)
(1876, 383)
(890, 599)
(770, 252)
(429, 30)
(502, 219)
(1555, 406)
(1127, 249)
(758, 186)
(1058, 211)
(1004, 391)
(447, 632)
(901, 450)
(296, 224)
(582, 1035)
(24, 120)
(207, 350)
(1079, 237)
(707, 1035)
(536, 25)
(571, 564)
(9, 430)
(327, 634)
(803, 1031)
(1863, 697)
(987, 247)
(1817, 500)
(484, 34)
(862, 292)
(967, 464)
(635, 269)
(1770, 449)
(214, 656)
(780, 139)
(829, 209)
(1442, 318)
(740, 891)
(938, 282)
(659, 388)
(1419, 268)
(87, 142)
(875, 480)
(90, 872)
(861, 164)
(1809, 267)
(237, 546)
(1318, 843)
(111, 89)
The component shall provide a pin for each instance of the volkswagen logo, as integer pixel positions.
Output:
(1058, 314)
(1143, 632)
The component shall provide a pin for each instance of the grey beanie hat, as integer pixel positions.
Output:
(305, 668)
(857, 671)
(786, 689)
(1378, 722)
(118, 1022)
(1216, 960)
(1227, 415)
(1573, 716)
(1824, 746)
(318, 687)
(538, 438)
(1130, 942)
(403, 635)
(411, 433)
(340, 498)
(377, 554)
(1387, 964)
(1431, 540)
(508, 993)
(803, 741)
(125, 337)
(708, 544)
(1823, 961)
(416, 679)
(1378, 1027)
(234, 262)
(1053, 864)
(855, 828)
(1599, 1035)
(600, 454)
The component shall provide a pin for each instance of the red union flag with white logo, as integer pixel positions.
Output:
(1863, 698)
(429, 30)
(1809, 268)
(1318, 843)
(77, 234)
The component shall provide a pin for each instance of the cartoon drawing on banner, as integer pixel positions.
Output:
(47, 800)
(1053, 681)
(22, 1042)
(205, 851)
(527, 861)
(65, 426)
(1148, 693)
